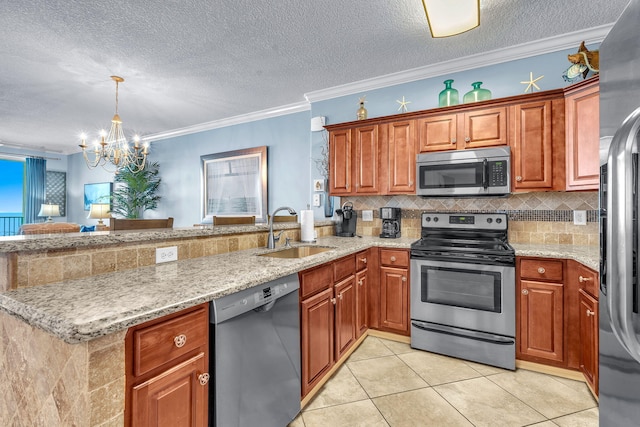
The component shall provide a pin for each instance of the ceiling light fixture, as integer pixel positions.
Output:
(450, 17)
(114, 152)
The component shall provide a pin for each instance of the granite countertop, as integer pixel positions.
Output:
(83, 309)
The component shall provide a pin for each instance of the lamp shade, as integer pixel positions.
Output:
(450, 17)
(49, 210)
(99, 211)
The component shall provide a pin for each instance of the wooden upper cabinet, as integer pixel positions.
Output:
(340, 162)
(365, 141)
(438, 133)
(582, 109)
(485, 128)
(537, 145)
(399, 162)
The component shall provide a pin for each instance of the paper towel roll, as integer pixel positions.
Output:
(306, 226)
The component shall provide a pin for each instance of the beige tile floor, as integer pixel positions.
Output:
(386, 383)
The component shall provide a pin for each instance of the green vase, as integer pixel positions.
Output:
(477, 94)
(449, 96)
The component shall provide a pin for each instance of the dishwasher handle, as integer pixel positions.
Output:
(266, 307)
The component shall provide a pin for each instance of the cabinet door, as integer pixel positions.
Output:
(438, 133)
(583, 138)
(340, 162)
(345, 295)
(362, 288)
(532, 146)
(589, 339)
(394, 299)
(316, 335)
(401, 158)
(366, 163)
(485, 128)
(541, 320)
(174, 398)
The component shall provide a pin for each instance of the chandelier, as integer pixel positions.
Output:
(113, 152)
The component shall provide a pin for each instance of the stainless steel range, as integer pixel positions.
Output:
(463, 288)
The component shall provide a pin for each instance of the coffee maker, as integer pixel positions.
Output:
(346, 226)
(391, 222)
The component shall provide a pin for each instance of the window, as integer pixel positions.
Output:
(12, 176)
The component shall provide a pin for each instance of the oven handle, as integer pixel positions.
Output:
(464, 333)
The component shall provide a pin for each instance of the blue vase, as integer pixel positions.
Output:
(328, 205)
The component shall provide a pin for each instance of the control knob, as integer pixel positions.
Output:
(489, 220)
(498, 220)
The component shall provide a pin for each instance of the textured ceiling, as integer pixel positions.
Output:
(187, 62)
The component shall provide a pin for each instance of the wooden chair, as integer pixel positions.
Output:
(139, 224)
(233, 220)
(49, 228)
(283, 218)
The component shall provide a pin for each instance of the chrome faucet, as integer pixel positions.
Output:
(271, 240)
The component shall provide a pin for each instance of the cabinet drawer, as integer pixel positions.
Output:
(316, 280)
(163, 342)
(539, 269)
(587, 280)
(394, 257)
(362, 259)
(344, 268)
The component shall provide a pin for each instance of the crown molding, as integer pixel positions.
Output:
(230, 121)
(498, 56)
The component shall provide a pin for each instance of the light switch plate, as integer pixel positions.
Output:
(580, 217)
(367, 215)
(167, 254)
(316, 200)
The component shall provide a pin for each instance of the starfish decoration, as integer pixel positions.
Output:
(362, 99)
(403, 105)
(531, 83)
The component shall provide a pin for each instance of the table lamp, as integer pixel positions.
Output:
(99, 211)
(49, 210)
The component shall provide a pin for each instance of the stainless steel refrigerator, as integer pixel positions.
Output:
(619, 298)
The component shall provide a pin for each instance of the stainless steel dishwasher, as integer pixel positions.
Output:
(255, 356)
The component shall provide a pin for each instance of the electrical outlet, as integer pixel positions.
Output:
(580, 217)
(167, 254)
(316, 200)
(367, 215)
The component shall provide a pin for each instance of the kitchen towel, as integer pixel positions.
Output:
(306, 226)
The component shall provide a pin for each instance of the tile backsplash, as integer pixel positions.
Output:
(537, 217)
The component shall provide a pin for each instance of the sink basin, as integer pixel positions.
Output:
(297, 252)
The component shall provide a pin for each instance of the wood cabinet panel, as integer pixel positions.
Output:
(485, 128)
(315, 280)
(541, 320)
(161, 343)
(394, 299)
(345, 295)
(362, 289)
(365, 141)
(362, 259)
(589, 340)
(344, 267)
(394, 257)
(317, 339)
(175, 398)
(541, 269)
(400, 159)
(582, 107)
(340, 162)
(438, 133)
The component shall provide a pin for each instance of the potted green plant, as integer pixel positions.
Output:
(136, 192)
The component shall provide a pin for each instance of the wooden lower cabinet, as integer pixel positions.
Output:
(394, 291)
(345, 327)
(362, 289)
(589, 342)
(166, 366)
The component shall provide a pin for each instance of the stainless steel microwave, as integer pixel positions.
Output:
(460, 173)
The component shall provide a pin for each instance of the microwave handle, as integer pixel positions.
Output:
(485, 173)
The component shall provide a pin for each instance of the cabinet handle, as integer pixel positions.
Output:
(393, 259)
(360, 282)
(363, 260)
(453, 141)
(525, 292)
(333, 301)
(584, 279)
(541, 270)
(590, 313)
(180, 340)
(519, 178)
(467, 139)
(340, 296)
(404, 278)
(203, 378)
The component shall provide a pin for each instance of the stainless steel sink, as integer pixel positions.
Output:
(298, 252)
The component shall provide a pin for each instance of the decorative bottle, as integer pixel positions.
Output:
(362, 112)
(449, 96)
(477, 94)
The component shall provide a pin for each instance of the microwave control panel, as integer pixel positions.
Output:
(498, 174)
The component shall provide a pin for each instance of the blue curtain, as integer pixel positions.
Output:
(35, 192)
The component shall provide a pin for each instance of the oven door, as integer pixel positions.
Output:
(464, 295)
